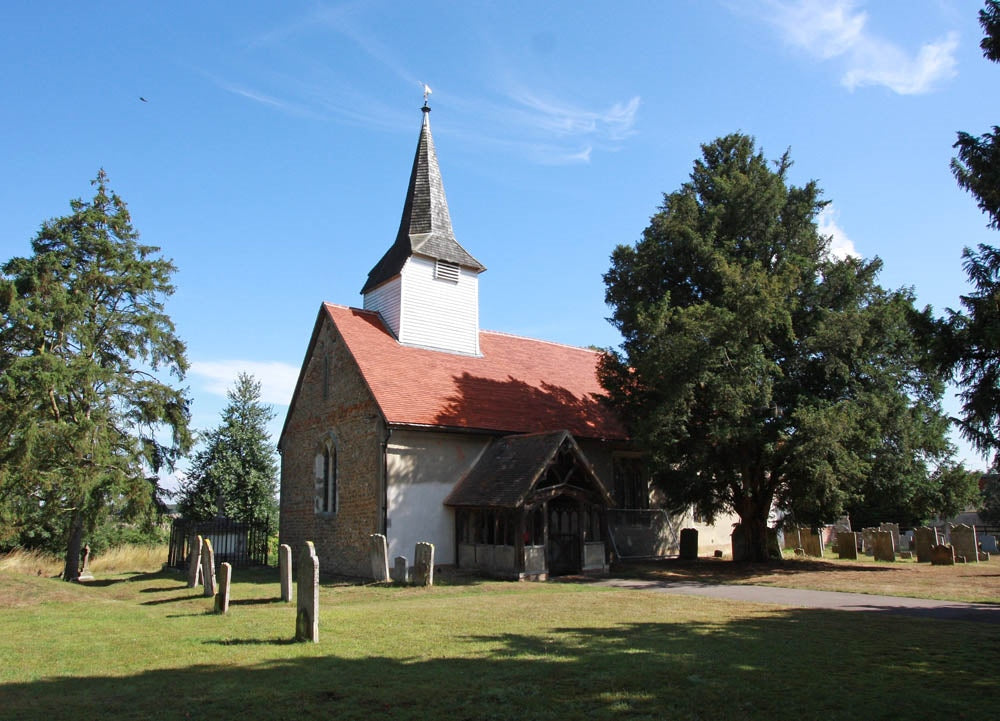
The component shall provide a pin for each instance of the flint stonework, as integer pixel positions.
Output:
(208, 567)
(379, 554)
(423, 564)
(307, 607)
(847, 544)
(285, 571)
(689, 544)
(884, 549)
(194, 561)
(924, 539)
(963, 540)
(225, 580)
(942, 555)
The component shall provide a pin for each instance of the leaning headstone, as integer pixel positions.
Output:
(399, 572)
(988, 543)
(689, 544)
(194, 561)
(963, 540)
(423, 564)
(208, 567)
(847, 544)
(379, 554)
(812, 543)
(868, 541)
(884, 549)
(892, 528)
(942, 555)
(225, 580)
(85, 574)
(307, 610)
(924, 539)
(792, 539)
(285, 571)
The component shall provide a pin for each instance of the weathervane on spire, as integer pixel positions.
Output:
(427, 92)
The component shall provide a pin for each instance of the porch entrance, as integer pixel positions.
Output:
(564, 551)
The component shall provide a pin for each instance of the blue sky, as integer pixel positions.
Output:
(271, 156)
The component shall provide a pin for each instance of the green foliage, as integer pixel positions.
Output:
(972, 337)
(236, 464)
(989, 509)
(756, 369)
(84, 409)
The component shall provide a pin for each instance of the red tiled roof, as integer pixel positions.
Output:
(517, 385)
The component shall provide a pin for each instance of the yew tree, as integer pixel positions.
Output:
(757, 370)
(88, 413)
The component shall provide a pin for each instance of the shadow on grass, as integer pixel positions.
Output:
(711, 570)
(815, 664)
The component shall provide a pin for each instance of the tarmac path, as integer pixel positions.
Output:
(833, 600)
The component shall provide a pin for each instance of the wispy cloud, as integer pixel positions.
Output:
(837, 30)
(277, 380)
(841, 246)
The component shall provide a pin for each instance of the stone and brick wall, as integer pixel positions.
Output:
(333, 403)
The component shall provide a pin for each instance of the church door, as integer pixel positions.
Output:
(564, 551)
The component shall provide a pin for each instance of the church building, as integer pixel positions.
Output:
(410, 421)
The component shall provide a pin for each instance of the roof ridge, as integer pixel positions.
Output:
(539, 340)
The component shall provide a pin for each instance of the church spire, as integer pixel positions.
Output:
(425, 227)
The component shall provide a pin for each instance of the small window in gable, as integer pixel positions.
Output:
(444, 270)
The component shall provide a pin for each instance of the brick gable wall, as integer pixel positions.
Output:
(347, 413)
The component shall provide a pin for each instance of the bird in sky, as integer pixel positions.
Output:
(143, 99)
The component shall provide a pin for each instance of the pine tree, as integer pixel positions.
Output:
(235, 471)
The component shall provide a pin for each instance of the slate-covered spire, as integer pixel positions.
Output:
(425, 228)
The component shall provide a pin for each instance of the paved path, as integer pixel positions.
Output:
(951, 610)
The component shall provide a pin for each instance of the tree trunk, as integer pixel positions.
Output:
(74, 543)
(755, 528)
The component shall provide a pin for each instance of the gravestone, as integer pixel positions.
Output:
(892, 528)
(194, 561)
(906, 555)
(906, 541)
(689, 544)
(208, 567)
(85, 574)
(942, 555)
(423, 564)
(847, 545)
(792, 539)
(884, 549)
(225, 580)
(307, 609)
(379, 554)
(924, 539)
(988, 543)
(741, 549)
(963, 540)
(868, 540)
(285, 571)
(812, 543)
(773, 543)
(400, 572)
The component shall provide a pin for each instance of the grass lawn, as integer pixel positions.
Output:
(142, 645)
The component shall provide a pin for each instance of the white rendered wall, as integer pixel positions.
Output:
(436, 313)
(422, 468)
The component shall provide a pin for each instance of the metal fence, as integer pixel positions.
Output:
(240, 544)
(643, 533)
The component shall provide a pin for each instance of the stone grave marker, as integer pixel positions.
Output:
(847, 544)
(884, 549)
(689, 544)
(892, 528)
(307, 608)
(194, 561)
(988, 543)
(812, 543)
(906, 541)
(868, 540)
(942, 555)
(225, 580)
(792, 539)
(379, 554)
(400, 572)
(741, 549)
(963, 540)
(85, 574)
(924, 539)
(906, 555)
(285, 571)
(423, 564)
(208, 567)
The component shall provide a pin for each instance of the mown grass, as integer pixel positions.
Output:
(143, 645)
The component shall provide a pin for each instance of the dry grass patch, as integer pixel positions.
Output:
(975, 582)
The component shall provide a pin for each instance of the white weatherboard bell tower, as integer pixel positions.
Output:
(426, 286)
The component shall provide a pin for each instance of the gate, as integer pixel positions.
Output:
(240, 544)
